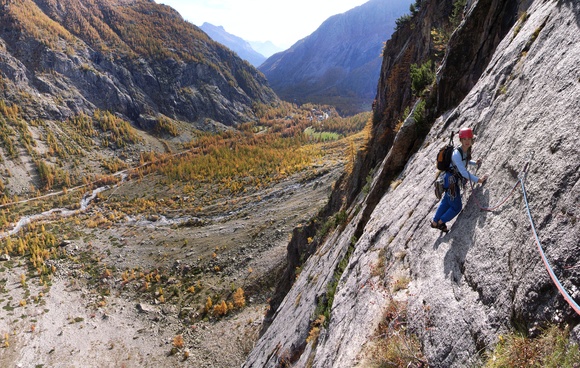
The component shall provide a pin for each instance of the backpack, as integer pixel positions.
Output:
(444, 155)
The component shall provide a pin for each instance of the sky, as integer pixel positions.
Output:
(284, 22)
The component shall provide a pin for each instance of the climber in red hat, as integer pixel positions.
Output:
(450, 204)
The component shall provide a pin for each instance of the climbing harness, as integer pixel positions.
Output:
(521, 180)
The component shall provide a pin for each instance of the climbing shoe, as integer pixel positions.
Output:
(442, 227)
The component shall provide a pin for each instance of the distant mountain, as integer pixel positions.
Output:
(339, 63)
(234, 43)
(265, 48)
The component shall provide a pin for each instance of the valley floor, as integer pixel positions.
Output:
(93, 315)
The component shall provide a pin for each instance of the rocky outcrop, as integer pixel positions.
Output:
(340, 59)
(125, 57)
(485, 277)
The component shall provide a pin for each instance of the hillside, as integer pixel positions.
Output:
(381, 287)
(135, 58)
(101, 82)
(339, 63)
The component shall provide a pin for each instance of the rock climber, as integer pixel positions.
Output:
(450, 204)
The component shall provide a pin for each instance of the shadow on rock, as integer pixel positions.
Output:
(462, 234)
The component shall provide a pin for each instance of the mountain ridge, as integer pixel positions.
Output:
(339, 63)
(110, 80)
(144, 72)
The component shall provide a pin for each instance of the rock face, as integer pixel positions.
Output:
(485, 277)
(340, 59)
(135, 58)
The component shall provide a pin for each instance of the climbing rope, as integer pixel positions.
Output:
(521, 180)
(561, 289)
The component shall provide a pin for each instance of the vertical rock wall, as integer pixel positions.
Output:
(485, 277)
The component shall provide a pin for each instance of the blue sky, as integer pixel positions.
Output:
(282, 22)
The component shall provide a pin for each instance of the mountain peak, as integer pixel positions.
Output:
(207, 25)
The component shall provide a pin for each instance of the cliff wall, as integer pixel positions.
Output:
(461, 290)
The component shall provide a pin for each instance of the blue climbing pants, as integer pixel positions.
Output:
(449, 207)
